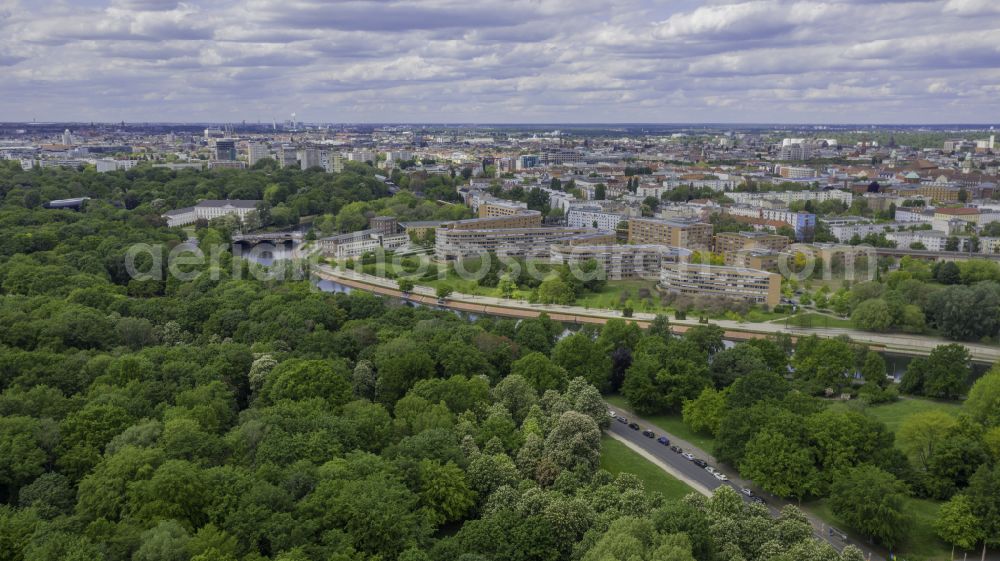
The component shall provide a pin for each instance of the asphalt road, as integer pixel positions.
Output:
(689, 470)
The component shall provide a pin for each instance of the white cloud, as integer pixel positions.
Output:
(501, 60)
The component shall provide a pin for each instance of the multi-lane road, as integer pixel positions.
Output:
(702, 481)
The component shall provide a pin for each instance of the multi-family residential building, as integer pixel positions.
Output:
(354, 244)
(796, 172)
(621, 261)
(491, 208)
(757, 286)
(788, 197)
(944, 215)
(734, 242)
(914, 214)
(523, 219)
(845, 230)
(689, 234)
(457, 243)
(593, 216)
(931, 240)
(803, 223)
(210, 209)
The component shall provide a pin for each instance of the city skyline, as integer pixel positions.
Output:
(554, 61)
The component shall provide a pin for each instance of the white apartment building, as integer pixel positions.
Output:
(587, 216)
(210, 209)
(914, 215)
(845, 231)
(358, 243)
(932, 240)
(788, 197)
(105, 165)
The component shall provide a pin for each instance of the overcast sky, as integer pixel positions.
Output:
(794, 61)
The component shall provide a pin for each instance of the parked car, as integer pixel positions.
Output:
(648, 433)
(746, 491)
(758, 500)
(720, 476)
(688, 455)
(612, 414)
(677, 449)
(663, 440)
(700, 463)
(633, 426)
(710, 469)
(622, 419)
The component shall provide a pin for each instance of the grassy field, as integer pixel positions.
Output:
(673, 424)
(610, 296)
(617, 458)
(920, 543)
(893, 414)
(810, 319)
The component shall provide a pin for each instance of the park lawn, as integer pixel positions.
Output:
(893, 414)
(810, 319)
(673, 424)
(618, 458)
(920, 542)
(609, 297)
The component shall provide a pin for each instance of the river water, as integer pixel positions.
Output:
(896, 363)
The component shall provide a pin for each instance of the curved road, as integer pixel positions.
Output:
(704, 482)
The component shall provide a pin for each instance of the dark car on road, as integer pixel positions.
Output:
(648, 433)
(663, 440)
(677, 449)
(633, 426)
(700, 463)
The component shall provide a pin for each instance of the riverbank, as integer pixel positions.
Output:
(912, 345)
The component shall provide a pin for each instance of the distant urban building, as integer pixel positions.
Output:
(527, 161)
(288, 157)
(335, 162)
(793, 172)
(309, 158)
(257, 151)
(225, 149)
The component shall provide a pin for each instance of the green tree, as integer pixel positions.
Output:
(443, 489)
(983, 403)
(302, 379)
(554, 290)
(873, 315)
(541, 372)
(921, 434)
(872, 502)
(984, 496)
(705, 413)
(956, 524)
(581, 356)
(780, 465)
